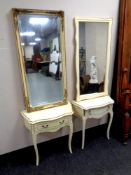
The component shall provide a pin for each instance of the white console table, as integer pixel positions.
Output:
(93, 108)
(48, 120)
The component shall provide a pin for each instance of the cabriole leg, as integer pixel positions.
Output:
(34, 138)
(70, 136)
(109, 125)
(83, 131)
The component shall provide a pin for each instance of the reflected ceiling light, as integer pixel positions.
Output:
(38, 21)
(37, 39)
(22, 44)
(32, 43)
(27, 33)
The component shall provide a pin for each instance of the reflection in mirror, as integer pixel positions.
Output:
(40, 38)
(41, 50)
(92, 53)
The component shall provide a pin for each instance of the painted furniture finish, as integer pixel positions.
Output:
(48, 120)
(93, 108)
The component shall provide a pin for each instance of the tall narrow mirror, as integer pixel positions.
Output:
(40, 41)
(93, 37)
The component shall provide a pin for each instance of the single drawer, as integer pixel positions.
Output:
(52, 125)
(97, 112)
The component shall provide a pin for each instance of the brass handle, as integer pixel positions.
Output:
(61, 122)
(45, 126)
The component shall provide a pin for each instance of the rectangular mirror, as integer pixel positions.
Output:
(41, 48)
(92, 41)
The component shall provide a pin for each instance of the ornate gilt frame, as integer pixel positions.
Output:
(15, 13)
(86, 19)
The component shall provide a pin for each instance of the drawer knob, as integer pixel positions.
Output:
(61, 122)
(44, 126)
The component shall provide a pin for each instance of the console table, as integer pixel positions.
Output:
(93, 108)
(48, 120)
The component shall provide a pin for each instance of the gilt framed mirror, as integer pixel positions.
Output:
(92, 56)
(41, 51)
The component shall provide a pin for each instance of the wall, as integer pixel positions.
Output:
(13, 134)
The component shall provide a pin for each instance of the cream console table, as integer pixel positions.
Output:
(48, 120)
(93, 108)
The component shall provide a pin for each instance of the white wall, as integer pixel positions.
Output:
(13, 134)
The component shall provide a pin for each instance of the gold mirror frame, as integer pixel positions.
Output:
(16, 12)
(77, 20)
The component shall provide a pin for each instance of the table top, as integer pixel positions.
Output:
(94, 103)
(48, 114)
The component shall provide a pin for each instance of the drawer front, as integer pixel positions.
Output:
(97, 112)
(51, 126)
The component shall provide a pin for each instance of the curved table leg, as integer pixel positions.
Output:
(109, 125)
(83, 132)
(34, 138)
(70, 136)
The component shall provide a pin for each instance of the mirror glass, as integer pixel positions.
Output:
(40, 40)
(92, 56)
